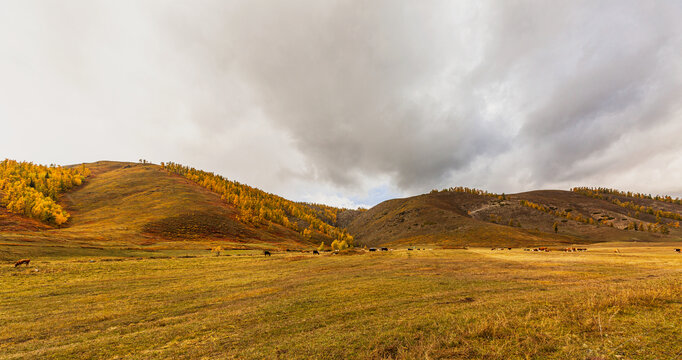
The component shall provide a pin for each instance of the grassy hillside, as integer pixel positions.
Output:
(441, 304)
(258, 207)
(441, 219)
(452, 218)
(10, 222)
(140, 206)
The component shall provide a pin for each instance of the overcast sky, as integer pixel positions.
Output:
(352, 102)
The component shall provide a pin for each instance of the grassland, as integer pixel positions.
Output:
(428, 304)
(131, 276)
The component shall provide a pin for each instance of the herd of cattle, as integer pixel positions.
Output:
(544, 249)
(315, 252)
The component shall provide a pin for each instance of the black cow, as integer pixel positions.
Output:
(384, 249)
(372, 249)
(677, 250)
(315, 252)
(266, 253)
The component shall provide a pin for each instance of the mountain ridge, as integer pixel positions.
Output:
(138, 205)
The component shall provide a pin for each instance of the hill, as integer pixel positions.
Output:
(123, 206)
(460, 218)
(142, 206)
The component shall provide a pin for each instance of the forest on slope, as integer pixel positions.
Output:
(33, 190)
(257, 206)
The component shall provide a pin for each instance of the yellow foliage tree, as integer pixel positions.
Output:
(217, 250)
(256, 206)
(32, 190)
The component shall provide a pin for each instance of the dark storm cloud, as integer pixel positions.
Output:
(419, 92)
(366, 88)
(335, 99)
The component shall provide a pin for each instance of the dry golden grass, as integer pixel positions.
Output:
(458, 219)
(125, 206)
(429, 304)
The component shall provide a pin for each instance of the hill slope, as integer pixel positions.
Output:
(123, 204)
(140, 206)
(457, 218)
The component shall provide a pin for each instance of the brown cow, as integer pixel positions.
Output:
(22, 261)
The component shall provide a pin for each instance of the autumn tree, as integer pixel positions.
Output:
(217, 250)
(32, 190)
(256, 206)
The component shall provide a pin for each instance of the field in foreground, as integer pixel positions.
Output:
(425, 304)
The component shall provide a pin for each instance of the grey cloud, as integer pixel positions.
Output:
(388, 88)
(507, 95)
(364, 89)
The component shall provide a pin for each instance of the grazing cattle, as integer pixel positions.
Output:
(372, 249)
(409, 248)
(508, 248)
(22, 261)
(266, 253)
(384, 249)
(526, 249)
(677, 251)
(315, 252)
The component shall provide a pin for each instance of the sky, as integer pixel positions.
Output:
(351, 103)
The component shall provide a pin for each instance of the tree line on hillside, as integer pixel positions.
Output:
(599, 193)
(568, 214)
(32, 190)
(472, 191)
(256, 206)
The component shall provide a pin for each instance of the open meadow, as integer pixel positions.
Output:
(421, 304)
